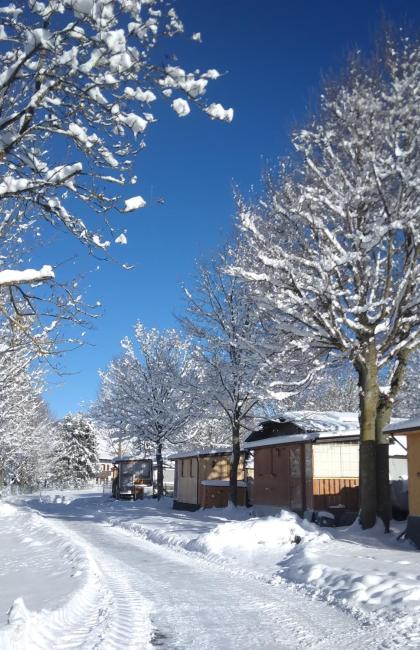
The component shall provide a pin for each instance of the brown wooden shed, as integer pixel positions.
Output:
(308, 460)
(411, 429)
(202, 479)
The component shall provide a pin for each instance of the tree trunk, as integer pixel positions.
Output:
(368, 401)
(383, 417)
(383, 488)
(367, 483)
(236, 453)
(159, 463)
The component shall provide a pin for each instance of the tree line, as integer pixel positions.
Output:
(322, 279)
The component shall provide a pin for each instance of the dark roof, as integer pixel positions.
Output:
(270, 428)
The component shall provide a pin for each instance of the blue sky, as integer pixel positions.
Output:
(275, 54)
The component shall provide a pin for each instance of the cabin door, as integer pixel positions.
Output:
(296, 473)
(279, 458)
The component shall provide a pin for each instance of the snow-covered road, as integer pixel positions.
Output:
(138, 594)
(196, 605)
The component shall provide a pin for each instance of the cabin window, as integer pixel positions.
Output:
(187, 468)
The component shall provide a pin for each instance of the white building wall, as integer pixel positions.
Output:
(335, 460)
(398, 468)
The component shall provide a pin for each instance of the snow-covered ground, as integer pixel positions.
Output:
(85, 571)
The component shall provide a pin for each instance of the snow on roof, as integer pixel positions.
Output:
(105, 456)
(323, 421)
(304, 426)
(404, 425)
(280, 440)
(199, 452)
(122, 459)
(316, 426)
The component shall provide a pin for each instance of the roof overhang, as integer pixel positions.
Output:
(411, 425)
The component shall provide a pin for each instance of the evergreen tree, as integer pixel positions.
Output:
(76, 460)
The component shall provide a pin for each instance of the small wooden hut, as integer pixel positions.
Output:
(310, 461)
(202, 479)
(131, 476)
(411, 429)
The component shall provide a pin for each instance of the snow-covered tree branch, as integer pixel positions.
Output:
(78, 80)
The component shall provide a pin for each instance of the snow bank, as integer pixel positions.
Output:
(362, 571)
(279, 534)
(88, 613)
(367, 573)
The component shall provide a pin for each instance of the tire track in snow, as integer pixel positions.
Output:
(201, 606)
(101, 614)
(132, 585)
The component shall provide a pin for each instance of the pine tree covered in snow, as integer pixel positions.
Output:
(332, 250)
(75, 456)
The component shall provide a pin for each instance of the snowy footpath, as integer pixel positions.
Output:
(84, 571)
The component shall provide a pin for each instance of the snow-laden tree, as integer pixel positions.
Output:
(112, 440)
(331, 390)
(407, 403)
(78, 79)
(332, 250)
(144, 393)
(24, 417)
(75, 454)
(225, 325)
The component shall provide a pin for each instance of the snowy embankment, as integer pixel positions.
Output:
(366, 572)
(52, 594)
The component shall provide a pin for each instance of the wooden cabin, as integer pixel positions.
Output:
(202, 479)
(411, 429)
(310, 461)
(131, 477)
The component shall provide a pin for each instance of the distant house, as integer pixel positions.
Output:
(202, 479)
(308, 460)
(411, 429)
(104, 474)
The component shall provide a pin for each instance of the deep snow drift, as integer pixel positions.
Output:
(147, 568)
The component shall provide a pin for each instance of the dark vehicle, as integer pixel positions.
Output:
(131, 476)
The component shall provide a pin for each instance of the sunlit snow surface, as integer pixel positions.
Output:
(95, 573)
